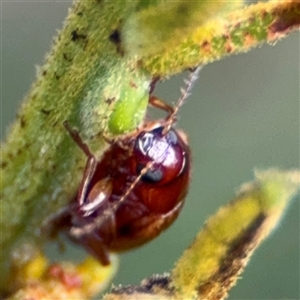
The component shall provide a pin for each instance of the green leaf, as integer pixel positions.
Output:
(211, 265)
(88, 78)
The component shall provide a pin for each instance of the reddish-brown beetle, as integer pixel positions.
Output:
(137, 189)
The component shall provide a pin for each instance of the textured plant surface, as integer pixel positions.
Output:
(97, 77)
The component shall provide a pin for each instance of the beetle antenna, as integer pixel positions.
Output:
(185, 93)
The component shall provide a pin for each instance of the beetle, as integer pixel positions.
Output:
(136, 190)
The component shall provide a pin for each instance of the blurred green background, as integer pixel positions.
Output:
(244, 113)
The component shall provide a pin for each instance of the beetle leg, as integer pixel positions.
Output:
(172, 111)
(101, 253)
(89, 171)
(96, 235)
(93, 243)
(90, 166)
(158, 103)
(77, 139)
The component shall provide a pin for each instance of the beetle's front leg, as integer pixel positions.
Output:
(83, 201)
(95, 235)
(95, 245)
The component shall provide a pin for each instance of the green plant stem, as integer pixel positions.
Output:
(86, 71)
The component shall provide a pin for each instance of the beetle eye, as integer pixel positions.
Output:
(151, 176)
